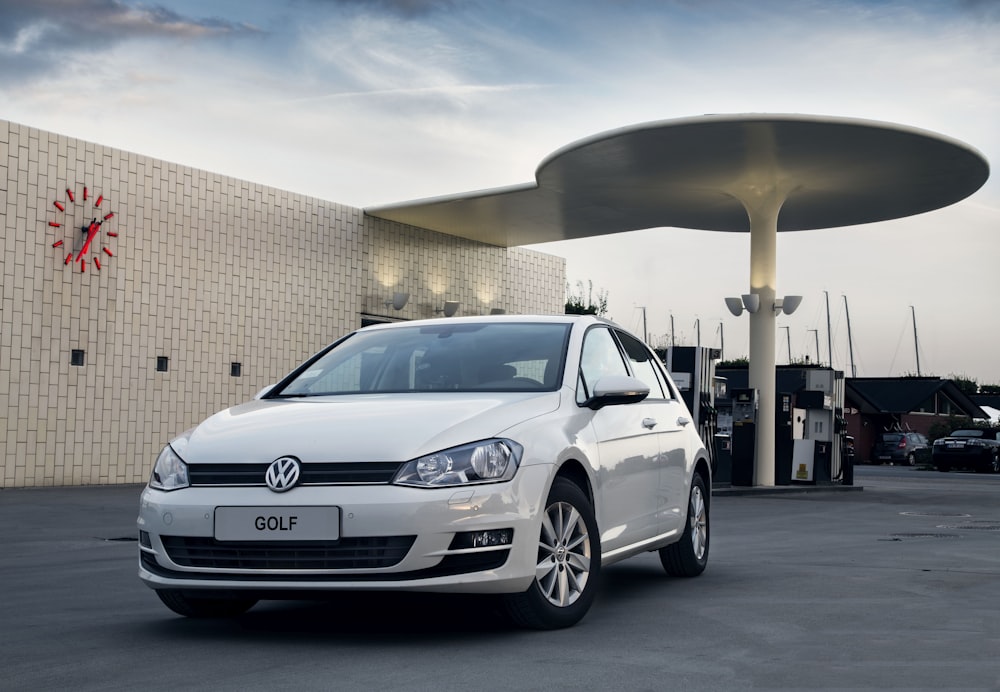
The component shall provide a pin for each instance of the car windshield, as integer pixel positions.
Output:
(465, 357)
(967, 433)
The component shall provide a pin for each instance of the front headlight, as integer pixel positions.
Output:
(169, 472)
(490, 461)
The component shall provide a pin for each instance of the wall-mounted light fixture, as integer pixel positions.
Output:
(450, 308)
(398, 301)
(751, 302)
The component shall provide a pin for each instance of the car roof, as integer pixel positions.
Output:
(497, 319)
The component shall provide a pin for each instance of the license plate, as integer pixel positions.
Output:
(883, 457)
(954, 445)
(277, 523)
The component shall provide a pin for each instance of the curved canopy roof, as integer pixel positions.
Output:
(685, 173)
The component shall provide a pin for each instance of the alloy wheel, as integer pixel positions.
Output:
(699, 522)
(563, 555)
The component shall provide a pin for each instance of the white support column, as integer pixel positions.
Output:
(763, 212)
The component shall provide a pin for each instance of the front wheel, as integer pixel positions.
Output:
(204, 607)
(688, 557)
(568, 563)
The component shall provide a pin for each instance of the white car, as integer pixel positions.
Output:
(511, 455)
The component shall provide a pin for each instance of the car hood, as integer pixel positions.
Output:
(367, 427)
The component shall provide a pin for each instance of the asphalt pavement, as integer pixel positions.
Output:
(895, 585)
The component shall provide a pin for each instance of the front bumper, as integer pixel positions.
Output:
(390, 537)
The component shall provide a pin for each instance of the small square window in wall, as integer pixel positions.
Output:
(77, 357)
(235, 369)
(162, 364)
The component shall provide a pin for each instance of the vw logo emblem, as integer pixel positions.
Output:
(282, 474)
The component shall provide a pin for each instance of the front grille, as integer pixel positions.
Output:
(347, 553)
(450, 565)
(312, 473)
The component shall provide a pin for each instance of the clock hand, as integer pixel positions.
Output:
(91, 234)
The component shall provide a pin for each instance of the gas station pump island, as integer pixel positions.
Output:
(808, 421)
(756, 173)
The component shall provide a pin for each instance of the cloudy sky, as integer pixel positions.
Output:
(368, 102)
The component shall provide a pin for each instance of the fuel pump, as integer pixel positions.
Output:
(744, 438)
(814, 454)
(783, 439)
(722, 472)
(692, 369)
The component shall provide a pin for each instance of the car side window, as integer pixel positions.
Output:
(600, 357)
(643, 367)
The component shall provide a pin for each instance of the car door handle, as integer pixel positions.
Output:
(682, 421)
(649, 423)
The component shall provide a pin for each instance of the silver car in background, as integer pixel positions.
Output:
(508, 455)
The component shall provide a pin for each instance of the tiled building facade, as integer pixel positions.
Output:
(209, 289)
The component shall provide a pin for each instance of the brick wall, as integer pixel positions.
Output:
(206, 271)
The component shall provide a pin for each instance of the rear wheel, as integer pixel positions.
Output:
(568, 563)
(204, 607)
(688, 557)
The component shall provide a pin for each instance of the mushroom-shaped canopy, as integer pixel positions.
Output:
(695, 172)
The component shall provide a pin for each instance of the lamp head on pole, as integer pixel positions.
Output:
(750, 301)
(787, 305)
(735, 306)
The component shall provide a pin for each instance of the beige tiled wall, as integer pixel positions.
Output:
(206, 271)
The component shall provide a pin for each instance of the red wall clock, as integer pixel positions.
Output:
(84, 229)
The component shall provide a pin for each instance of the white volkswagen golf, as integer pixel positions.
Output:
(511, 455)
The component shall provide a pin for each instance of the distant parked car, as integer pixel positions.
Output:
(972, 448)
(898, 448)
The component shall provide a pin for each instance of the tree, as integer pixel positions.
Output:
(945, 428)
(741, 362)
(966, 384)
(579, 304)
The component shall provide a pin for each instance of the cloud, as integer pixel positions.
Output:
(37, 37)
(402, 8)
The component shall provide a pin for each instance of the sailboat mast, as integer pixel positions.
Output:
(850, 339)
(829, 338)
(916, 346)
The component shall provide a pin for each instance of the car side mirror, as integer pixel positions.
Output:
(612, 390)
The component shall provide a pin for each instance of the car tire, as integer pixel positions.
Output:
(688, 557)
(568, 565)
(204, 607)
(943, 468)
(995, 464)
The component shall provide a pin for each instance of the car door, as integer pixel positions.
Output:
(670, 418)
(628, 450)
